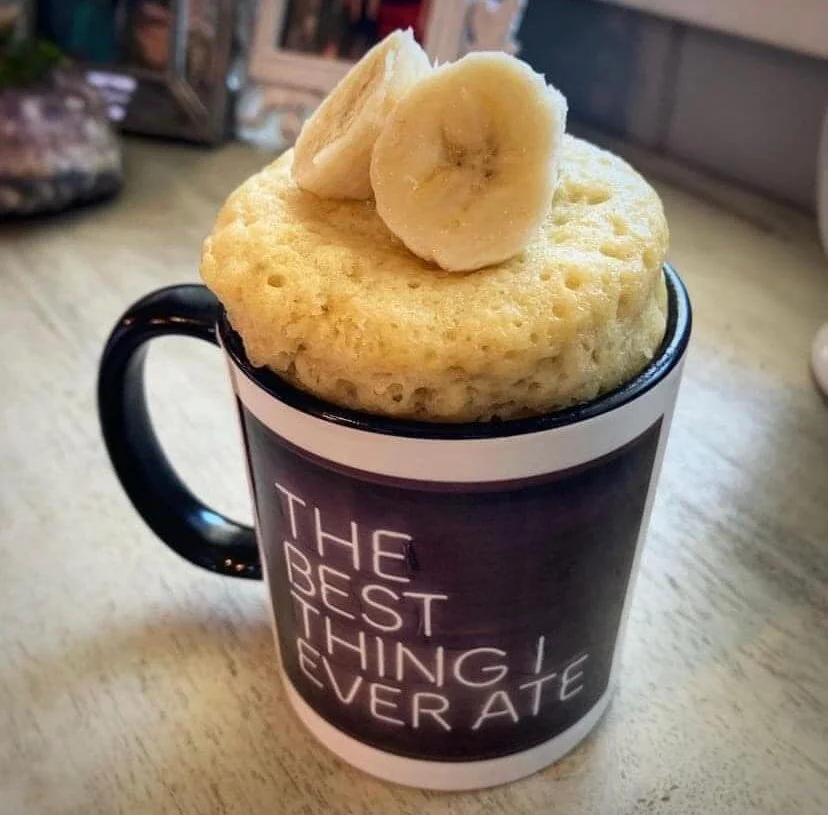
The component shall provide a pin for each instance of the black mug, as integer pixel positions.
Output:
(448, 599)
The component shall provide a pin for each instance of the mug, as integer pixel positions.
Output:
(448, 599)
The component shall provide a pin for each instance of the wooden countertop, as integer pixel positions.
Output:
(131, 682)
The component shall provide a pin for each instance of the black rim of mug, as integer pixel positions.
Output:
(676, 338)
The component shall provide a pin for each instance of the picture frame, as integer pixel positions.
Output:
(284, 87)
(161, 65)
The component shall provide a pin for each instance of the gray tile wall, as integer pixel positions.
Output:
(741, 110)
(613, 65)
(751, 112)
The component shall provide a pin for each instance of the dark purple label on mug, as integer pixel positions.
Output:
(448, 621)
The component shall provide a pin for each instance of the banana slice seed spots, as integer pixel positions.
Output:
(456, 154)
(482, 183)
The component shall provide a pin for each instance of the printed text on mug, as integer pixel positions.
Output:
(345, 634)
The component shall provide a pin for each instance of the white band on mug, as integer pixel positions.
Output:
(460, 460)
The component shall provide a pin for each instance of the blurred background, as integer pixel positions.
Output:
(742, 96)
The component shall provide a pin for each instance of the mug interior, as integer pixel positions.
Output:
(671, 351)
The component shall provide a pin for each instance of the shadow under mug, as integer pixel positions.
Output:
(448, 599)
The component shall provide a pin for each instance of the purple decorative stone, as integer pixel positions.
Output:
(57, 146)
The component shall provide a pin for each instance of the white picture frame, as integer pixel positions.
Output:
(284, 87)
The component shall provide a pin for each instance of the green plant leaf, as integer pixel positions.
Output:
(27, 62)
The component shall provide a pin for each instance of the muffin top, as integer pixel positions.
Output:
(322, 293)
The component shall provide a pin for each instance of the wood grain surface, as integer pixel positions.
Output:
(131, 682)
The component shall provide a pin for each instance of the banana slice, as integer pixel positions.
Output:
(332, 155)
(466, 165)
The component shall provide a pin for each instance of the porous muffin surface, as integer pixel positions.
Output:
(326, 296)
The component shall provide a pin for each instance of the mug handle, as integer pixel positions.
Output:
(189, 527)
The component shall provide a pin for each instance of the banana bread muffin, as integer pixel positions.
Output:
(326, 296)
